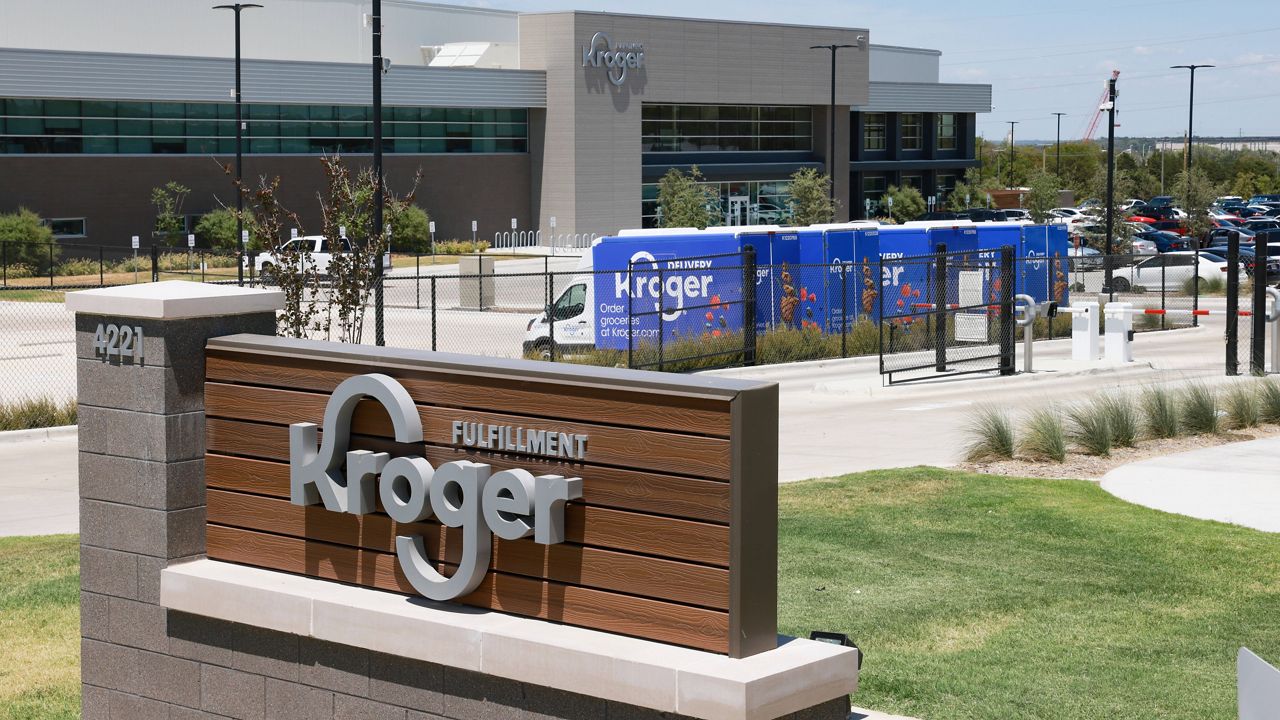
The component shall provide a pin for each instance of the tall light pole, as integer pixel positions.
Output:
(378, 232)
(1191, 107)
(237, 8)
(1011, 151)
(831, 148)
(1111, 174)
(1057, 169)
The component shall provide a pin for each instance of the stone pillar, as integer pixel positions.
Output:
(142, 502)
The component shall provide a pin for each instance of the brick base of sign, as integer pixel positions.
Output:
(193, 668)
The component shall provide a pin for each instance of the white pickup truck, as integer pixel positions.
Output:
(317, 252)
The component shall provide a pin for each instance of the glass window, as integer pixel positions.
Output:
(946, 184)
(67, 227)
(572, 303)
(873, 131)
(912, 131)
(946, 131)
(873, 188)
(913, 181)
(725, 128)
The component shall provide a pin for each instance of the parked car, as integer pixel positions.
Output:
(1142, 246)
(1264, 198)
(1262, 223)
(770, 214)
(1132, 203)
(317, 251)
(1067, 213)
(1172, 269)
(942, 215)
(1225, 199)
(1248, 257)
(1161, 201)
(1219, 235)
(1166, 241)
(1016, 215)
(1084, 259)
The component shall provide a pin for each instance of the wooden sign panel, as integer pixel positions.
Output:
(673, 537)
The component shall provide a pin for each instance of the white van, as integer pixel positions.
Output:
(317, 251)
(574, 315)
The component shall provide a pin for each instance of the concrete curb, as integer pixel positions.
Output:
(51, 433)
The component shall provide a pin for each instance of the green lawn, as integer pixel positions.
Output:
(32, 295)
(973, 596)
(40, 628)
(989, 597)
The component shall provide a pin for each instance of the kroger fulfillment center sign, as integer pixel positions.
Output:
(618, 59)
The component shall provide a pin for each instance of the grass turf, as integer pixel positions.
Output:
(990, 597)
(974, 597)
(40, 628)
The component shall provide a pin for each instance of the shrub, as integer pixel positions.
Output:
(18, 271)
(1269, 400)
(1089, 429)
(27, 241)
(1122, 418)
(1242, 405)
(1160, 413)
(411, 230)
(217, 230)
(461, 247)
(40, 413)
(77, 266)
(1200, 410)
(789, 345)
(1045, 437)
(991, 435)
(1061, 326)
(1208, 286)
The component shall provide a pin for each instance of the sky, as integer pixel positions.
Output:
(1045, 57)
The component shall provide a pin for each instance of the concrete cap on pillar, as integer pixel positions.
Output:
(174, 300)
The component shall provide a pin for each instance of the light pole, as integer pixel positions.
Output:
(236, 8)
(831, 148)
(1057, 168)
(1191, 108)
(376, 231)
(1111, 175)
(1011, 123)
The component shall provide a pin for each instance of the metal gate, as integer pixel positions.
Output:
(1253, 305)
(949, 313)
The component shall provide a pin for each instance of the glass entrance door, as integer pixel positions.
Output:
(737, 213)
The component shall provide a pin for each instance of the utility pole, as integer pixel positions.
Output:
(237, 8)
(831, 121)
(377, 235)
(1111, 175)
(1057, 170)
(1011, 150)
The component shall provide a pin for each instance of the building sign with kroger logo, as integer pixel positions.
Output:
(616, 59)
(688, 288)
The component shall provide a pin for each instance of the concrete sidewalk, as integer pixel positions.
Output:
(38, 483)
(1236, 483)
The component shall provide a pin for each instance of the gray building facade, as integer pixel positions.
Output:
(568, 115)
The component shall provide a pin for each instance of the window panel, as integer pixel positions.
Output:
(873, 131)
(24, 107)
(946, 131)
(67, 227)
(912, 131)
(202, 111)
(293, 112)
(99, 145)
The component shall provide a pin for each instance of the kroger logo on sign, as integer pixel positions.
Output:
(601, 52)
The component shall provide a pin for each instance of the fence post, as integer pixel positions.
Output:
(1233, 300)
(203, 264)
(662, 311)
(1007, 281)
(940, 309)
(1164, 265)
(417, 281)
(879, 319)
(551, 316)
(433, 313)
(4, 262)
(50, 265)
(1258, 333)
(749, 306)
(1195, 283)
(631, 332)
(844, 310)
(155, 263)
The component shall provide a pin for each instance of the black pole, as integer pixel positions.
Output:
(1258, 330)
(844, 310)
(378, 194)
(1111, 178)
(1233, 301)
(831, 120)
(940, 308)
(1058, 147)
(1007, 351)
(237, 8)
(748, 306)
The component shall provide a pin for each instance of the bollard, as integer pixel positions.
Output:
(1085, 339)
(1273, 319)
(1119, 317)
(1027, 323)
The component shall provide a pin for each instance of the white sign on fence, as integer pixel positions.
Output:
(553, 222)
(431, 226)
(474, 226)
(191, 241)
(134, 242)
(513, 223)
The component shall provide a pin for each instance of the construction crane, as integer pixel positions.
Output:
(1101, 107)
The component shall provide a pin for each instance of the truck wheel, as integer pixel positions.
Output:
(1120, 285)
(542, 350)
(268, 273)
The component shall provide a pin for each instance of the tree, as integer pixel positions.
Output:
(167, 199)
(959, 197)
(217, 230)
(684, 202)
(1247, 184)
(1043, 196)
(27, 241)
(1195, 193)
(411, 230)
(810, 202)
(908, 203)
